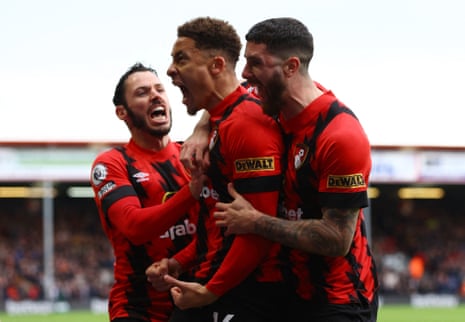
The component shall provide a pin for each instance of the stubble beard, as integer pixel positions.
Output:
(272, 101)
(140, 123)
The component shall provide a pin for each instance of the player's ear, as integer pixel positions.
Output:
(121, 112)
(217, 65)
(291, 66)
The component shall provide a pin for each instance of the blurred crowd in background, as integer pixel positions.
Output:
(419, 247)
(82, 254)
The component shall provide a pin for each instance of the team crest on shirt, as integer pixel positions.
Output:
(213, 139)
(300, 154)
(99, 173)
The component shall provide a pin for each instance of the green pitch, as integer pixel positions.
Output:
(394, 313)
(73, 316)
(388, 313)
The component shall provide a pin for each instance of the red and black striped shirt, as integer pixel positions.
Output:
(148, 213)
(245, 148)
(328, 165)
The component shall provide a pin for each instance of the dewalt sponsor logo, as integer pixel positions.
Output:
(346, 181)
(254, 164)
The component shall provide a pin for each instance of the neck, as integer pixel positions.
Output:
(222, 89)
(301, 94)
(150, 142)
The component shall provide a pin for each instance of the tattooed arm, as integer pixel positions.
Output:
(329, 236)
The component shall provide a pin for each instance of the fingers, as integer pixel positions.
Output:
(156, 270)
(219, 215)
(155, 274)
(194, 158)
(205, 163)
(186, 157)
(222, 206)
(220, 219)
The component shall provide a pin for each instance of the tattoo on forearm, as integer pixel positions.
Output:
(329, 236)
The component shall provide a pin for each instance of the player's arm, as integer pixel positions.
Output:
(329, 236)
(139, 224)
(258, 175)
(187, 257)
(244, 256)
(117, 199)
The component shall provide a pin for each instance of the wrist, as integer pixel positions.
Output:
(195, 187)
(255, 218)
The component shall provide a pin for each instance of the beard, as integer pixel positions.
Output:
(191, 111)
(140, 124)
(272, 100)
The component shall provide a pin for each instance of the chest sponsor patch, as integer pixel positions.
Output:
(346, 181)
(254, 164)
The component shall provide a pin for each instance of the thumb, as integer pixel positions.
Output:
(232, 191)
(173, 281)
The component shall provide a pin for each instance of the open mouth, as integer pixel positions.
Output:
(187, 98)
(158, 111)
(184, 91)
(158, 114)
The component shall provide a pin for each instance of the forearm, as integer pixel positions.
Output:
(187, 256)
(330, 236)
(140, 225)
(244, 256)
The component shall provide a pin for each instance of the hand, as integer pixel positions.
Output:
(188, 294)
(157, 271)
(194, 152)
(238, 216)
(196, 184)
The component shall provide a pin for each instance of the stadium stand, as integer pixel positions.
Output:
(418, 244)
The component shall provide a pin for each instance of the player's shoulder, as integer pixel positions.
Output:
(251, 112)
(106, 165)
(177, 144)
(109, 155)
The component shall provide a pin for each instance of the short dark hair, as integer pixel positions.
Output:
(283, 37)
(118, 97)
(210, 33)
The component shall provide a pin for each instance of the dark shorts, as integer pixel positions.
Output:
(249, 302)
(304, 311)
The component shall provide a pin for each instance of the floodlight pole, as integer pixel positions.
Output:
(47, 216)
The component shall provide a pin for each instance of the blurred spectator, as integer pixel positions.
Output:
(83, 258)
(419, 248)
